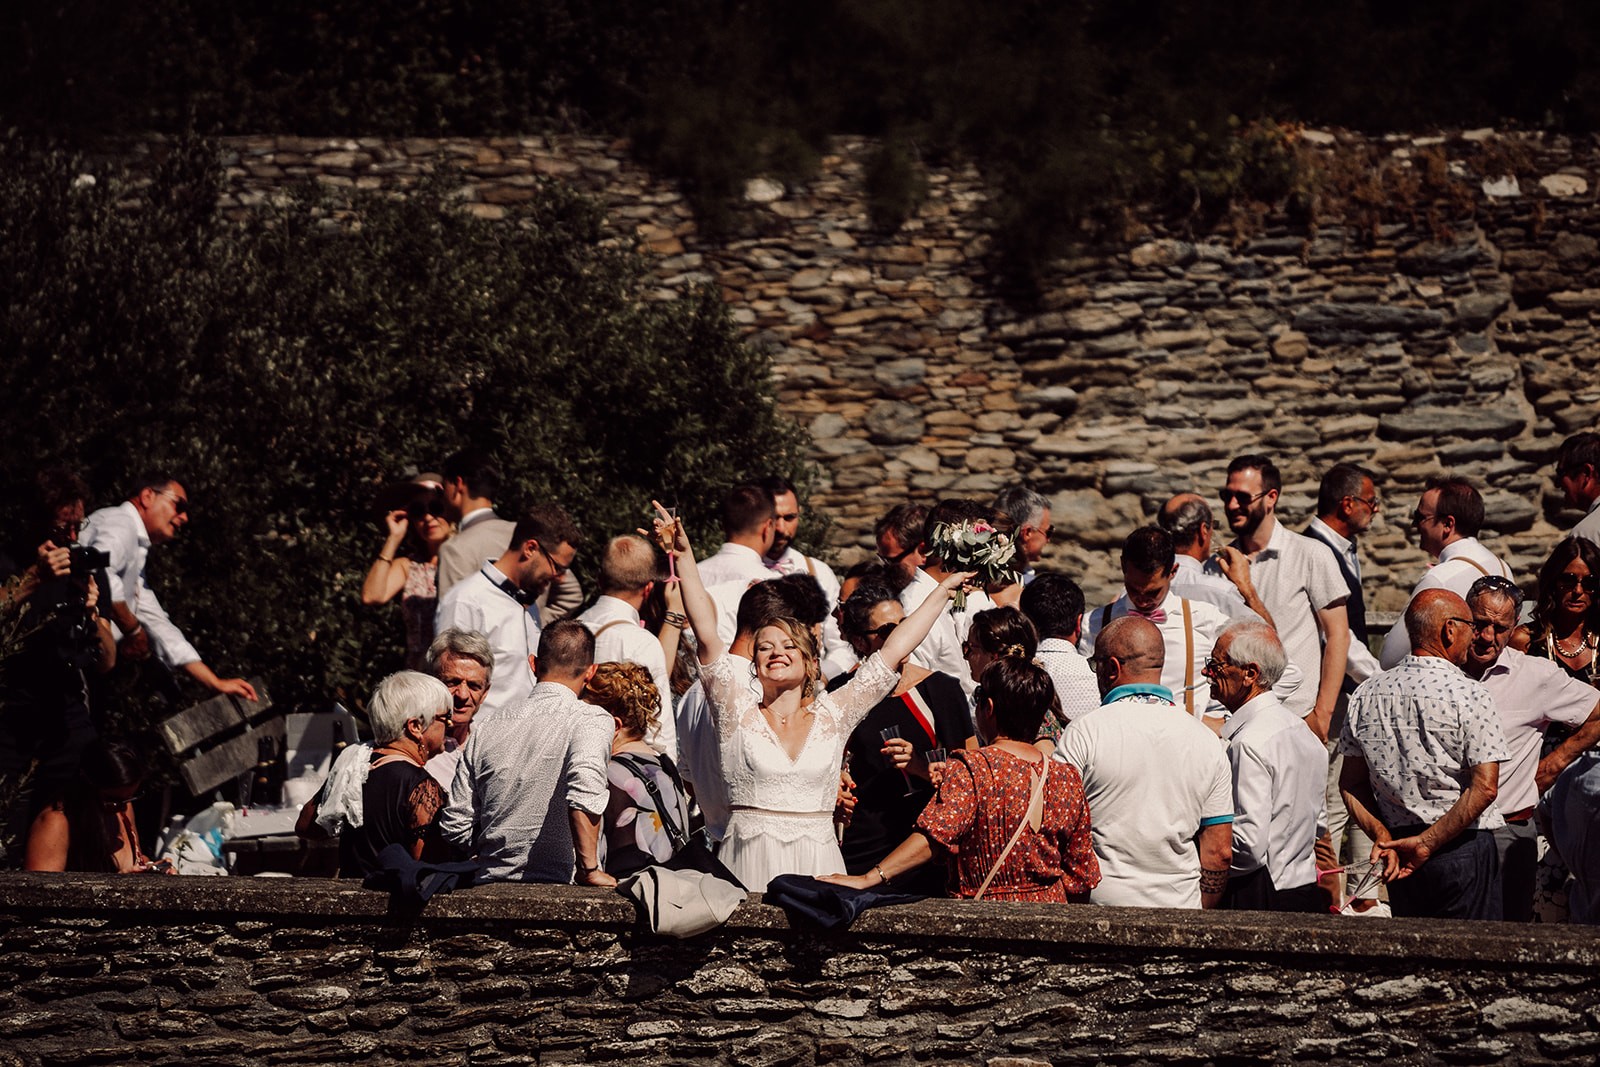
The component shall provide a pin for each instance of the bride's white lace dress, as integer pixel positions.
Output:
(782, 819)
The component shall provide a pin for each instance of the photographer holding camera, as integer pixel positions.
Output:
(155, 512)
(50, 609)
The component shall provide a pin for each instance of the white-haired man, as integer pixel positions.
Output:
(1280, 772)
(1029, 512)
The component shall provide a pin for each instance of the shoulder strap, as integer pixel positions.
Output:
(1105, 617)
(1474, 564)
(1033, 817)
(1188, 656)
(609, 625)
(811, 566)
(668, 823)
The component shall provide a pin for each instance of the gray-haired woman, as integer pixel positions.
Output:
(410, 713)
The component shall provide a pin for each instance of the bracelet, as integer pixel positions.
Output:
(586, 870)
(879, 868)
(385, 559)
(677, 619)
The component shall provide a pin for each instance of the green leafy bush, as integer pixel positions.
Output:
(287, 368)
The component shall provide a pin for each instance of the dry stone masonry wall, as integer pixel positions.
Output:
(107, 970)
(1467, 344)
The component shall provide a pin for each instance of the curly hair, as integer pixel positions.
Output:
(628, 693)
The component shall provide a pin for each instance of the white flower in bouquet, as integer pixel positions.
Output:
(974, 545)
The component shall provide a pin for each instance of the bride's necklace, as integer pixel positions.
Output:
(1577, 650)
(782, 720)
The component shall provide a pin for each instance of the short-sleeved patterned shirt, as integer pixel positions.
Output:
(1422, 727)
(1297, 576)
(980, 804)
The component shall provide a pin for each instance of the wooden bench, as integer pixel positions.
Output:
(216, 740)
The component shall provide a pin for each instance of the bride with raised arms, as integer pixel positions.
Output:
(780, 736)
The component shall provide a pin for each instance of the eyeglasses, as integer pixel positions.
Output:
(1371, 502)
(881, 633)
(1097, 661)
(434, 508)
(895, 560)
(179, 504)
(1468, 623)
(559, 568)
(1419, 516)
(1239, 497)
(121, 802)
(1214, 666)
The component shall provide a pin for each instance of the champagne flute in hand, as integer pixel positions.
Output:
(892, 733)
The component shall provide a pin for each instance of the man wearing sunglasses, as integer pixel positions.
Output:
(1299, 581)
(1447, 520)
(152, 515)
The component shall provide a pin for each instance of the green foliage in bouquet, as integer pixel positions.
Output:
(974, 546)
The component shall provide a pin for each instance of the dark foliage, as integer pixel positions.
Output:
(290, 368)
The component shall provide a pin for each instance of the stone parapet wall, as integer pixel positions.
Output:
(100, 969)
(1467, 344)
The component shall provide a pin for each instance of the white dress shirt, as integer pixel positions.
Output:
(1192, 582)
(1460, 564)
(1206, 621)
(734, 563)
(1280, 774)
(120, 533)
(941, 649)
(1359, 664)
(478, 602)
(519, 776)
(701, 752)
(620, 637)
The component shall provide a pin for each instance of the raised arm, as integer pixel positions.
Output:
(914, 627)
(696, 601)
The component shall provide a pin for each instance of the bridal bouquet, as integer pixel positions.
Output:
(974, 545)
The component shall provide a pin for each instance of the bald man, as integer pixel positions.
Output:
(1158, 785)
(1422, 746)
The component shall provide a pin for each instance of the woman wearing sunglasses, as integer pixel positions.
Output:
(408, 566)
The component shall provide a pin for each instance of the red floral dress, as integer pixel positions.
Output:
(982, 800)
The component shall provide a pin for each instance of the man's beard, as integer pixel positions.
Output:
(898, 577)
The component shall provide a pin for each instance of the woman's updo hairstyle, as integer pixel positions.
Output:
(1004, 632)
(1022, 694)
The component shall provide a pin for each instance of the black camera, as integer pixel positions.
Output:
(86, 560)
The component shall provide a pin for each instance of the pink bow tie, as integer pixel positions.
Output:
(1155, 615)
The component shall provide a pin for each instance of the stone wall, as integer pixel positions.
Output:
(106, 970)
(1467, 344)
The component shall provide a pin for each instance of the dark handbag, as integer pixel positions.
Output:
(690, 851)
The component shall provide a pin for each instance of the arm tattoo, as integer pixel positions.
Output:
(1213, 881)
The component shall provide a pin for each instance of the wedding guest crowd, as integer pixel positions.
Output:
(1220, 734)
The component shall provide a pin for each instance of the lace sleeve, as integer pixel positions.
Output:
(872, 681)
(726, 681)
